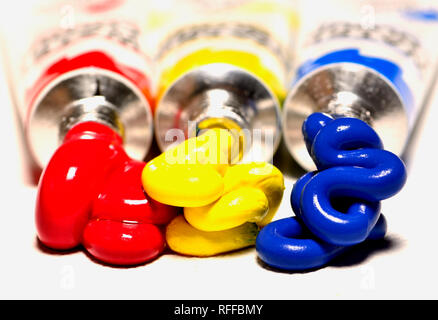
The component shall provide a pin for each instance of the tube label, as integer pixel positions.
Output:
(256, 36)
(392, 53)
(94, 37)
(398, 48)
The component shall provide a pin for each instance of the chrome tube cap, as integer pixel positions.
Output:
(89, 94)
(345, 90)
(221, 90)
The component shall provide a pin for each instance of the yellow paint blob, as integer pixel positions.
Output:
(223, 204)
(181, 237)
(261, 175)
(189, 175)
(231, 210)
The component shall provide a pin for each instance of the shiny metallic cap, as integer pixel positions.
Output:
(345, 89)
(89, 94)
(216, 91)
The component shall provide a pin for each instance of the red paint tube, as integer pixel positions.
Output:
(79, 61)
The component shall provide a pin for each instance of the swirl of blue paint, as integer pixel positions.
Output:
(338, 205)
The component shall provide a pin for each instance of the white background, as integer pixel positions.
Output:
(403, 266)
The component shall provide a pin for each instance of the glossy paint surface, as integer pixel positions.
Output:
(90, 193)
(338, 205)
(224, 205)
(287, 244)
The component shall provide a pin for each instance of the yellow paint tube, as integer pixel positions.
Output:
(225, 64)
